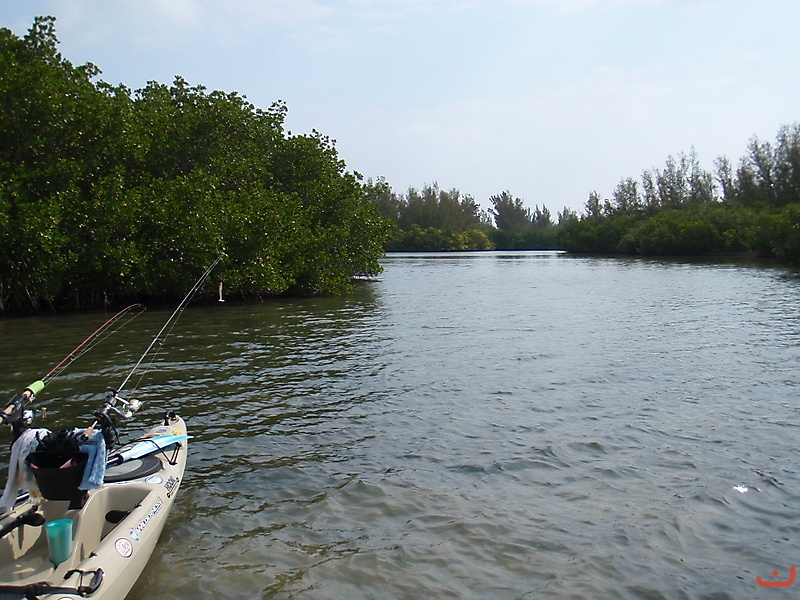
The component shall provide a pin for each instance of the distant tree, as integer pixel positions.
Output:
(756, 175)
(509, 213)
(787, 164)
(650, 197)
(389, 204)
(434, 207)
(626, 198)
(567, 215)
(432, 219)
(725, 179)
(768, 175)
(541, 217)
(594, 207)
(682, 182)
(683, 209)
(430, 239)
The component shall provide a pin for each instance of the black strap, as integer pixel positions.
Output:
(32, 591)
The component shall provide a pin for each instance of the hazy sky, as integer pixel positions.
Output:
(548, 99)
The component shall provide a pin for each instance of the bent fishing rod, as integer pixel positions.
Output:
(14, 412)
(105, 417)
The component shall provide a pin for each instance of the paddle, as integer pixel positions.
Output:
(145, 447)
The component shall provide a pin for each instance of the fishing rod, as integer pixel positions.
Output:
(90, 341)
(14, 413)
(105, 416)
(171, 321)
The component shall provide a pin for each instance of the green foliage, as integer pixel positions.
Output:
(691, 231)
(432, 220)
(435, 220)
(434, 207)
(786, 237)
(430, 239)
(684, 210)
(530, 238)
(672, 233)
(520, 228)
(595, 235)
(510, 214)
(769, 175)
(107, 194)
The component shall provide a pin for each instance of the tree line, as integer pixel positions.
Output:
(683, 209)
(109, 194)
(432, 219)
(680, 209)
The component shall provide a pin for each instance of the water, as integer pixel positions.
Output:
(500, 425)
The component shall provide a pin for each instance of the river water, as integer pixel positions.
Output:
(493, 425)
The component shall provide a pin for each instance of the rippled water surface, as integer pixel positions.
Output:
(470, 426)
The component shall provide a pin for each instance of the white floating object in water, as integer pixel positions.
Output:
(742, 489)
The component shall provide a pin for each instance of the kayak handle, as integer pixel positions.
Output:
(94, 584)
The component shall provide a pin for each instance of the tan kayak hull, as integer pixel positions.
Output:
(121, 549)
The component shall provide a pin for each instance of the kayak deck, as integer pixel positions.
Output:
(115, 530)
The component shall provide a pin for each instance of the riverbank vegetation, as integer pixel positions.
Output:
(683, 209)
(433, 219)
(109, 194)
(678, 210)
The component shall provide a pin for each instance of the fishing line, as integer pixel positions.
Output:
(95, 338)
(166, 328)
(13, 413)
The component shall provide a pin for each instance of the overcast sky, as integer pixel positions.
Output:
(548, 99)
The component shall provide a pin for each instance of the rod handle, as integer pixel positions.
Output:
(34, 388)
(18, 402)
(88, 432)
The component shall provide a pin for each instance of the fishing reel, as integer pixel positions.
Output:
(17, 416)
(108, 414)
(125, 412)
(14, 410)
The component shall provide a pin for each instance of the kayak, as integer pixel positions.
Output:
(90, 512)
(114, 532)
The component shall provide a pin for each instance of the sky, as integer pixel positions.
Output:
(547, 99)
